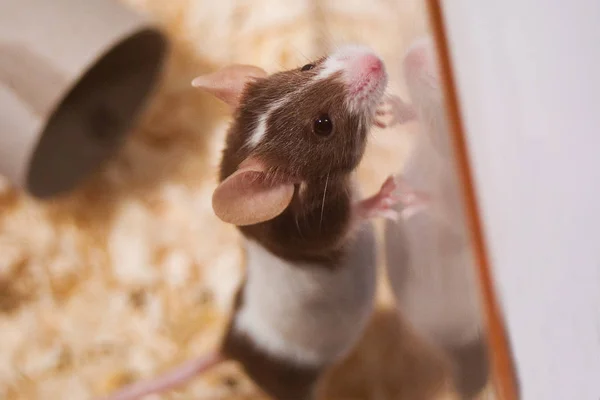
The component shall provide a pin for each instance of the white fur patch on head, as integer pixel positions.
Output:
(340, 59)
(259, 131)
(261, 127)
(330, 67)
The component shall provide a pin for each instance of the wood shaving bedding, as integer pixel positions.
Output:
(133, 273)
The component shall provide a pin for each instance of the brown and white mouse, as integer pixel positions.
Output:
(430, 263)
(286, 180)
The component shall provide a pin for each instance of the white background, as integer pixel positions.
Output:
(528, 76)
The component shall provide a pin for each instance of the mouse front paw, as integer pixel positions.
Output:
(394, 191)
(395, 111)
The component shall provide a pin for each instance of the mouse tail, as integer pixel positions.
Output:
(170, 380)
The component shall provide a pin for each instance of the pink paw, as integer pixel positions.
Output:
(395, 110)
(394, 191)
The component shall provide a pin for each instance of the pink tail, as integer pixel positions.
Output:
(169, 380)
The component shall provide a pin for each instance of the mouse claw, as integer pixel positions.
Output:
(391, 215)
(394, 191)
(396, 110)
(380, 124)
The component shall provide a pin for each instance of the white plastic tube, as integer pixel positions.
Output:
(73, 76)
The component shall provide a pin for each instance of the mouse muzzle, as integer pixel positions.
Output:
(362, 72)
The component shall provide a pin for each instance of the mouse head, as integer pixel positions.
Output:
(421, 70)
(296, 126)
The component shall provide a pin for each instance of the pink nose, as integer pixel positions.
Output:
(371, 63)
(417, 57)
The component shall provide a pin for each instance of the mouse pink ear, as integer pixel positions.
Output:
(228, 83)
(247, 198)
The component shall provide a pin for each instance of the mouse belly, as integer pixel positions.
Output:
(308, 313)
(299, 318)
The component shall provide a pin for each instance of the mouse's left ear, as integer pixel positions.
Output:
(246, 197)
(228, 83)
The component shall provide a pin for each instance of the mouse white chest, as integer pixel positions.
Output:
(304, 313)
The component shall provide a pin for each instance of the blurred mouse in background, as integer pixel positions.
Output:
(429, 257)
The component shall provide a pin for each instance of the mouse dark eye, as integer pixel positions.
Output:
(323, 125)
(307, 67)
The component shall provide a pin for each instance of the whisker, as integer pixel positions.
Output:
(297, 51)
(323, 202)
(298, 226)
